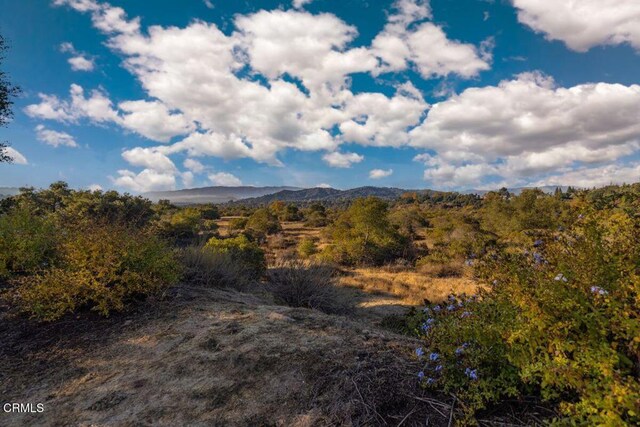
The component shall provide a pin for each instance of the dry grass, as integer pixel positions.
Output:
(384, 293)
(301, 284)
(214, 357)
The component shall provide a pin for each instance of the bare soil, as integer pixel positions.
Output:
(213, 357)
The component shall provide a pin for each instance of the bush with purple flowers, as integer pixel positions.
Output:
(562, 324)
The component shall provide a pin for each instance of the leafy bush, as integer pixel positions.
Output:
(208, 267)
(262, 223)
(363, 235)
(180, 227)
(243, 252)
(237, 224)
(27, 242)
(307, 247)
(299, 284)
(562, 319)
(101, 267)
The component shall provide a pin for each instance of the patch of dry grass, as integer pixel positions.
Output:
(406, 287)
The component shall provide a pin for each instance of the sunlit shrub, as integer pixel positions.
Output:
(241, 250)
(363, 235)
(102, 267)
(562, 319)
(307, 247)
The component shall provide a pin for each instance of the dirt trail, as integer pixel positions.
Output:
(212, 357)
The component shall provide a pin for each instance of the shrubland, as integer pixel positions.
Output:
(558, 318)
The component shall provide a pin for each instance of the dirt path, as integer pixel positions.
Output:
(212, 357)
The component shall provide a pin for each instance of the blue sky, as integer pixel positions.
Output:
(446, 94)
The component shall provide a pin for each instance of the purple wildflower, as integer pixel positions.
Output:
(434, 356)
(598, 290)
(419, 352)
(471, 373)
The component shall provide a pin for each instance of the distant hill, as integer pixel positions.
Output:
(549, 189)
(329, 195)
(8, 192)
(213, 194)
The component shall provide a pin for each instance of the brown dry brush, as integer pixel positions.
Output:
(310, 285)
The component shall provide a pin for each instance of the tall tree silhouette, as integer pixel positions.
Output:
(7, 92)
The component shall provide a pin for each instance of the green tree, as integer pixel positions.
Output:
(262, 223)
(363, 234)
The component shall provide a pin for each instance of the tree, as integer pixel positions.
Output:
(7, 93)
(364, 235)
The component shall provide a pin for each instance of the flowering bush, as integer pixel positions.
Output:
(561, 318)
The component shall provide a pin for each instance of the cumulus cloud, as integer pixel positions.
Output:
(78, 61)
(299, 4)
(224, 179)
(97, 107)
(595, 177)
(405, 40)
(94, 187)
(281, 80)
(583, 24)
(17, 157)
(147, 180)
(525, 127)
(380, 173)
(194, 165)
(55, 138)
(342, 160)
(153, 120)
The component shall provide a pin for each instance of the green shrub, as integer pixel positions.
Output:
(241, 250)
(262, 223)
(300, 284)
(363, 235)
(27, 242)
(181, 226)
(562, 319)
(102, 267)
(237, 224)
(307, 247)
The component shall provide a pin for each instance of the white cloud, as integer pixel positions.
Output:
(97, 107)
(209, 4)
(583, 24)
(153, 120)
(299, 4)
(342, 160)
(149, 158)
(380, 173)
(147, 180)
(595, 177)
(78, 61)
(187, 179)
(95, 187)
(194, 165)
(224, 179)
(18, 158)
(405, 40)
(55, 138)
(81, 63)
(526, 127)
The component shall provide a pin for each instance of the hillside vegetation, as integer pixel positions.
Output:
(518, 309)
